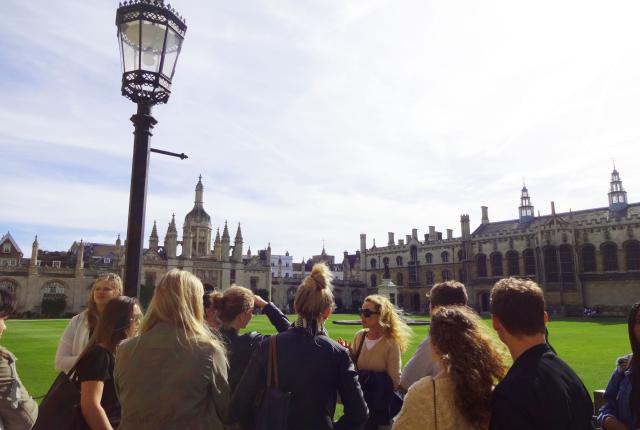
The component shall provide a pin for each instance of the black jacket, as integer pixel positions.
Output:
(539, 392)
(241, 347)
(313, 369)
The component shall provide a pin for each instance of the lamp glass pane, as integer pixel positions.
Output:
(174, 43)
(129, 38)
(151, 45)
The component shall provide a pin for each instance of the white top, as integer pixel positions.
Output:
(370, 343)
(73, 341)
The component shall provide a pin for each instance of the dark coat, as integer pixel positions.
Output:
(241, 347)
(541, 391)
(313, 369)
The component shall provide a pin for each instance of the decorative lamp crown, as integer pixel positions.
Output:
(150, 36)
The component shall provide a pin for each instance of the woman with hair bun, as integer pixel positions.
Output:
(378, 348)
(459, 397)
(311, 366)
(234, 308)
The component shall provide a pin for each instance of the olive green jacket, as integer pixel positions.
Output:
(164, 383)
(18, 411)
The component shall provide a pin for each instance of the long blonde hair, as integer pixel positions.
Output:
(92, 308)
(177, 300)
(391, 323)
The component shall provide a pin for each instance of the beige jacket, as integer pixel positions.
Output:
(418, 412)
(384, 356)
(165, 384)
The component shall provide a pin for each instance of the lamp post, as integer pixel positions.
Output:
(150, 36)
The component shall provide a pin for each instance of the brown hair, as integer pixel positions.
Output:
(231, 303)
(314, 294)
(92, 309)
(114, 323)
(519, 305)
(391, 323)
(471, 358)
(449, 293)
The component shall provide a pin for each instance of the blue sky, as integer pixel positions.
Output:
(324, 119)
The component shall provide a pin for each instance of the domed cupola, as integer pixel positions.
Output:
(197, 225)
(198, 214)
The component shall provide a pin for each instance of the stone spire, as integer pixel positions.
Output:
(217, 246)
(526, 208)
(249, 251)
(34, 253)
(153, 238)
(80, 256)
(225, 243)
(199, 192)
(171, 239)
(237, 245)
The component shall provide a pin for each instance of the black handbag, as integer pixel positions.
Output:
(60, 408)
(273, 413)
(377, 387)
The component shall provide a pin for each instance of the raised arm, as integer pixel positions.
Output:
(276, 317)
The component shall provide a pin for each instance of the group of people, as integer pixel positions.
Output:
(185, 364)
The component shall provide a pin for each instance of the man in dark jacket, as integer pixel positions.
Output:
(313, 368)
(540, 391)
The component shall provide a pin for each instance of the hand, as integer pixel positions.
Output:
(259, 302)
(344, 343)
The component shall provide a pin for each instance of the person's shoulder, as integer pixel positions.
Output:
(623, 363)
(127, 344)
(7, 355)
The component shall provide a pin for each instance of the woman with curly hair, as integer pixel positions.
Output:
(459, 397)
(376, 349)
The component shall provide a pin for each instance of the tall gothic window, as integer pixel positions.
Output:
(513, 263)
(462, 255)
(373, 263)
(446, 275)
(588, 256)
(481, 265)
(399, 260)
(429, 277)
(496, 264)
(428, 258)
(632, 255)
(550, 264)
(529, 262)
(566, 263)
(609, 257)
(445, 256)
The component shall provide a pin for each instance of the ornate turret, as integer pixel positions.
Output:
(237, 245)
(249, 252)
(224, 249)
(526, 208)
(217, 246)
(617, 195)
(153, 238)
(198, 224)
(171, 238)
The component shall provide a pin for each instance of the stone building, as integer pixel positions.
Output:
(586, 258)
(70, 274)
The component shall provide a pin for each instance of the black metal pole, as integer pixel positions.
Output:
(143, 123)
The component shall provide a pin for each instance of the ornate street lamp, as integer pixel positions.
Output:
(150, 36)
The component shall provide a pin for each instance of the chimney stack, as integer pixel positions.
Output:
(392, 241)
(485, 215)
(449, 233)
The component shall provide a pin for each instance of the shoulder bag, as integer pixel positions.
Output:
(60, 408)
(273, 413)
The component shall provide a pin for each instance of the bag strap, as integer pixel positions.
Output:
(272, 364)
(364, 335)
(435, 411)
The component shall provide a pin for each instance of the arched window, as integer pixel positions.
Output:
(8, 285)
(445, 256)
(632, 255)
(513, 263)
(609, 256)
(53, 289)
(429, 277)
(481, 265)
(399, 279)
(550, 264)
(374, 281)
(496, 264)
(462, 255)
(446, 275)
(385, 261)
(414, 253)
(566, 263)
(373, 263)
(588, 256)
(399, 261)
(529, 262)
(428, 258)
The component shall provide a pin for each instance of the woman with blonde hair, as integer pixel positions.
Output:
(76, 336)
(459, 397)
(378, 348)
(234, 308)
(174, 375)
(310, 366)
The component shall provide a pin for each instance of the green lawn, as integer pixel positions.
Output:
(589, 346)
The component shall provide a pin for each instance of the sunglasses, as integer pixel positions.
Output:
(368, 312)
